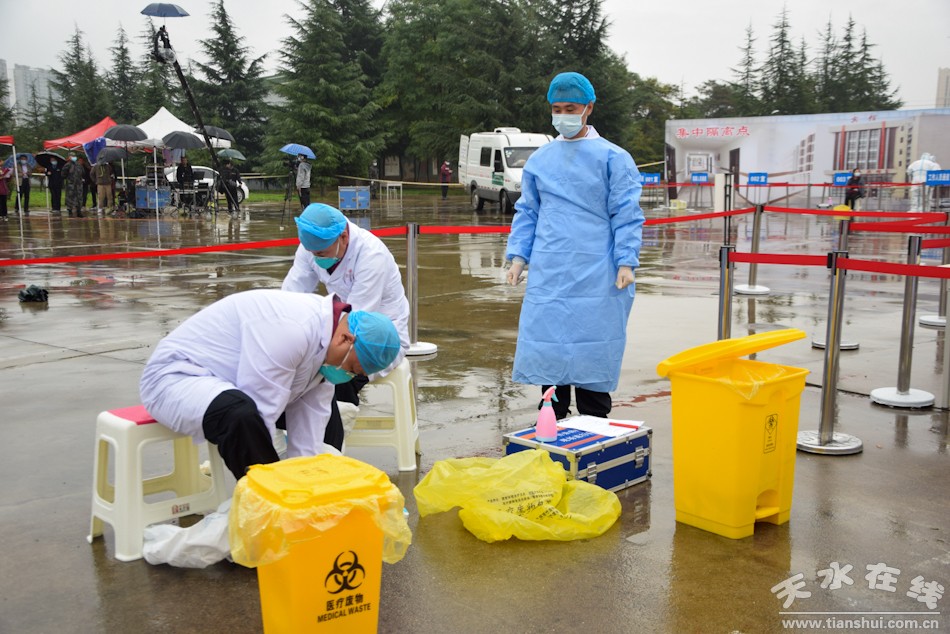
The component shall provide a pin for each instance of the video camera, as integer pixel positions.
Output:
(292, 163)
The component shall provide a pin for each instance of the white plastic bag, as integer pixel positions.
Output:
(197, 546)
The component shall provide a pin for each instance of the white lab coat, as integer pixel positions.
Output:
(367, 278)
(267, 343)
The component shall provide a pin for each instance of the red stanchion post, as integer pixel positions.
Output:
(826, 440)
(726, 269)
(752, 288)
(903, 395)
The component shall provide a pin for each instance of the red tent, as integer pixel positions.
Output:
(79, 138)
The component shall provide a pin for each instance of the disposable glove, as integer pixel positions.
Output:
(624, 277)
(515, 270)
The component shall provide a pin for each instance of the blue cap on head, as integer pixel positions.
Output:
(572, 88)
(319, 226)
(377, 342)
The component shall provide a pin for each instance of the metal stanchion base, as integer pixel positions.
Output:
(745, 289)
(892, 398)
(420, 348)
(840, 445)
(934, 321)
(842, 345)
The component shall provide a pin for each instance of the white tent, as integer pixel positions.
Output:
(164, 122)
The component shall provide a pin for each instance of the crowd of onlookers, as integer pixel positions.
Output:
(75, 182)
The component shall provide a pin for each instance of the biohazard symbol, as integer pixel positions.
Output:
(347, 574)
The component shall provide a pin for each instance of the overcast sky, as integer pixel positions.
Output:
(682, 43)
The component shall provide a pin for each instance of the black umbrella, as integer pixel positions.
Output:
(125, 132)
(217, 133)
(43, 159)
(112, 153)
(164, 10)
(182, 141)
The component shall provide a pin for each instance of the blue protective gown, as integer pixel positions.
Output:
(577, 221)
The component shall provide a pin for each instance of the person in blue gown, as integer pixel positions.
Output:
(577, 228)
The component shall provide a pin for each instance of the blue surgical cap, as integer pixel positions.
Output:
(377, 342)
(319, 226)
(571, 87)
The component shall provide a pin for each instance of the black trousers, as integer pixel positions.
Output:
(348, 393)
(233, 423)
(24, 196)
(304, 194)
(589, 403)
(56, 197)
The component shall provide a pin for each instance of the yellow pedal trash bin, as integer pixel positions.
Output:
(317, 529)
(735, 425)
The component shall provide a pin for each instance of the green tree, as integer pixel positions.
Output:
(6, 112)
(327, 104)
(780, 76)
(82, 99)
(231, 91)
(121, 81)
(746, 101)
(653, 105)
(441, 75)
(154, 86)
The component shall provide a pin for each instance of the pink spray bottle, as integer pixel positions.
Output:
(546, 429)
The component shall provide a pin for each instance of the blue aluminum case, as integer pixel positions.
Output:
(613, 463)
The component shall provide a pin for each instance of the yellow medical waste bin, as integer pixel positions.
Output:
(735, 425)
(318, 529)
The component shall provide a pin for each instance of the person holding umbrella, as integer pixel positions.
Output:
(303, 180)
(74, 176)
(230, 177)
(23, 171)
(53, 165)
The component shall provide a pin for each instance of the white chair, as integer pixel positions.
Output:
(122, 503)
(401, 430)
(394, 190)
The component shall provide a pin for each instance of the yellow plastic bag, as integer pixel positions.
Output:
(525, 495)
(279, 504)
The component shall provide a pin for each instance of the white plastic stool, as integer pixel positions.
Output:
(401, 430)
(122, 504)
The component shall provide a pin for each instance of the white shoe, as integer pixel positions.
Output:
(348, 414)
(280, 443)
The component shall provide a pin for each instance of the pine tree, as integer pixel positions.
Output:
(83, 101)
(328, 105)
(231, 92)
(121, 81)
(154, 87)
(6, 112)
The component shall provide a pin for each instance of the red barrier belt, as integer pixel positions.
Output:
(917, 270)
(240, 246)
(391, 231)
(935, 244)
(898, 227)
(910, 217)
(720, 214)
(461, 229)
(777, 258)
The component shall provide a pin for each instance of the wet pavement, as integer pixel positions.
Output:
(65, 362)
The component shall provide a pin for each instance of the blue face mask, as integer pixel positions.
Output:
(567, 124)
(335, 374)
(327, 262)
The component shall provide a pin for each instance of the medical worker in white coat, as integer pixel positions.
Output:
(261, 359)
(917, 173)
(355, 265)
(578, 229)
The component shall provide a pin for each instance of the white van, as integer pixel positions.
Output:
(490, 164)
